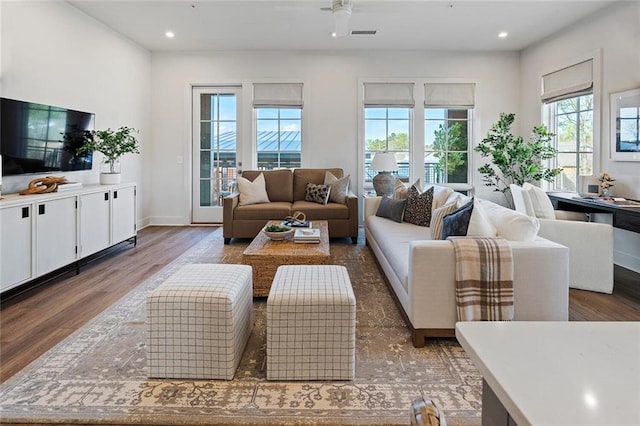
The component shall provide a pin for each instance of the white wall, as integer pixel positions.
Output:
(331, 104)
(51, 53)
(615, 32)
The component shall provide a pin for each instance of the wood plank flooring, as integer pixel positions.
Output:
(33, 322)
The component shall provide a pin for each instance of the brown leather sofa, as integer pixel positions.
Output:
(286, 190)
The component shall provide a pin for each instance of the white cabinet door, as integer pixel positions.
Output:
(95, 223)
(15, 245)
(123, 203)
(56, 230)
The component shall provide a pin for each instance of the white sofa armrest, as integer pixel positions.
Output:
(590, 251)
(541, 278)
(371, 205)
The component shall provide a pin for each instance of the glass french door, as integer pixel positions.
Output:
(216, 113)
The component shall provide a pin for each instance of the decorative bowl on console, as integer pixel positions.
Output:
(277, 232)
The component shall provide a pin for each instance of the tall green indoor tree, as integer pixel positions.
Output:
(514, 160)
(449, 147)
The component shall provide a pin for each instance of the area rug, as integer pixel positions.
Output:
(97, 375)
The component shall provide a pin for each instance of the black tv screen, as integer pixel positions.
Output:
(36, 138)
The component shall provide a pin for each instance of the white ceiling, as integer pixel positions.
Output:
(470, 25)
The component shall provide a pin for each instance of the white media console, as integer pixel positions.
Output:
(44, 232)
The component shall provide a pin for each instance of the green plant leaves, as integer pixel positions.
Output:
(514, 160)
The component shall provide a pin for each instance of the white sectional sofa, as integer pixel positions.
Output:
(420, 271)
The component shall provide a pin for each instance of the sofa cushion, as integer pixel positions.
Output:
(317, 193)
(279, 183)
(391, 209)
(436, 219)
(456, 224)
(510, 224)
(440, 196)
(479, 224)
(252, 192)
(393, 239)
(271, 211)
(339, 187)
(401, 188)
(418, 208)
(542, 206)
(315, 211)
(301, 177)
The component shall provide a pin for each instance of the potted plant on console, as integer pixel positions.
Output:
(112, 144)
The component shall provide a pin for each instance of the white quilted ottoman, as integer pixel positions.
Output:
(311, 324)
(199, 322)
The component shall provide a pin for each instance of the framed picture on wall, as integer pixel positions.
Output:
(625, 125)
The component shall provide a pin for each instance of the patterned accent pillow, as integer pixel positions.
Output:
(456, 224)
(418, 209)
(317, 193)
(400, 189)
(436, 219)
(338, 188)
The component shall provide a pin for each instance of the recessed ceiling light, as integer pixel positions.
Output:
(169, 34)
(503, 34)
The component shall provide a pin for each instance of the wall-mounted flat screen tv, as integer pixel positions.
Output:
(36, 138)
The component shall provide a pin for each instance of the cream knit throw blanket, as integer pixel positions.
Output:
(484, 278)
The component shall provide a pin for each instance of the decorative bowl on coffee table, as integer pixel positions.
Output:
(277, 232)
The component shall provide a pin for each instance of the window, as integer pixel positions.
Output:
(573, 126)
(278, 124)
(446, 150)
(388, 112)
(387, 130)
(278, 136)
(568, 95)
(447, 130)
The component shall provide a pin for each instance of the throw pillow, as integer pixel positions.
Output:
(440, 195)
(338, 188)
(391, 209)
(400, 190)
(252, 192)
(479, 223)
(317, 193)
(511, 225)
(436, 219)
(418, 208)
(456, 224)
(542, 205)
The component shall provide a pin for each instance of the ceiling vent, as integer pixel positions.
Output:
(364, 32)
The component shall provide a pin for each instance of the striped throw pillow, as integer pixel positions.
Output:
(436, 219)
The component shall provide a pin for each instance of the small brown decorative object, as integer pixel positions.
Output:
(44, 185)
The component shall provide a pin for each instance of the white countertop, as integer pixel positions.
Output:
(561, 373)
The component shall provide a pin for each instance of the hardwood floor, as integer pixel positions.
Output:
(34, 321)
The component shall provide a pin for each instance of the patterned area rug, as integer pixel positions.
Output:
(97, 375)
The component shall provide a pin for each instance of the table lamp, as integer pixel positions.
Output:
(384, 163)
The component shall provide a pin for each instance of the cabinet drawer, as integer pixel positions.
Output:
(628, 221)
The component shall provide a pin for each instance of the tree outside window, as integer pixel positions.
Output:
(573, 120)
(446, 145)
(388, 130)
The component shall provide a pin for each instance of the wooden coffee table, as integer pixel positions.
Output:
(265, 255)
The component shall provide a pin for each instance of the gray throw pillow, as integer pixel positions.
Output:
(456, 224)
(317, 193)
(418, 209)
(338, 188)
(391, 209)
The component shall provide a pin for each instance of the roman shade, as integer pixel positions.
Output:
(569, 82)
(277, 95)
(448, 95)
(388, 95)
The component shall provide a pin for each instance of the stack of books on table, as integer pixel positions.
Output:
(306, 235)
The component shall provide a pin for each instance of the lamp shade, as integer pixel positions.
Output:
(384, 161)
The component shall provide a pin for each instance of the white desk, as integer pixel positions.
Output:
(561, 373)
